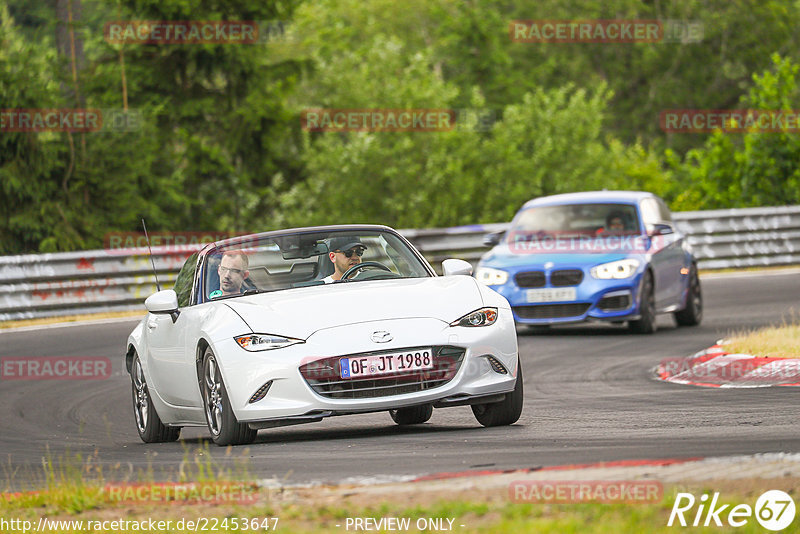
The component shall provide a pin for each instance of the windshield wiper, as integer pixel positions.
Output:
(257, 291)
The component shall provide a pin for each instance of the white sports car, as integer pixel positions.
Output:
(266, 330)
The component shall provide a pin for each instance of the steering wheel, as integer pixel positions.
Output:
(352, 271)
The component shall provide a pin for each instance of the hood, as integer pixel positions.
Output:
(300, 312)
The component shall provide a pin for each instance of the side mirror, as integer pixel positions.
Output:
(661, 229)
(453, 267)
(165, 301)
(492, 239)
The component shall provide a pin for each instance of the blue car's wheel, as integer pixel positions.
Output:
(646, 324)
(692, 314)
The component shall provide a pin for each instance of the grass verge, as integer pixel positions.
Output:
(328, 509)
(771, 342)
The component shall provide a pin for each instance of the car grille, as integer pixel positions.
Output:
(566, 277)
(552, 311)
(323, 376)
(530, 279)
(618, 302)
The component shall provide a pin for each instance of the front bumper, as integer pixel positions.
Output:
(595, 300)
(292, 397)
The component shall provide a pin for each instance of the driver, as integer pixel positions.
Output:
(615, 223)
(344, 253)
(232, 273)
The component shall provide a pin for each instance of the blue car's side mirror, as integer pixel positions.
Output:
(492, 239)
(660, 229)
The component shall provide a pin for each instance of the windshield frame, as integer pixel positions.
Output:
(212, 248)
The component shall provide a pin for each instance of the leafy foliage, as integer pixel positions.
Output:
(221, 148)
(755, 168)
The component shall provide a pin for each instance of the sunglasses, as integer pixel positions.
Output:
(223, 270)
(349, 254)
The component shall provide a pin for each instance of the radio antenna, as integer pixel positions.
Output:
(158, 286)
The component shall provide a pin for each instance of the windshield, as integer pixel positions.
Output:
(294, 260)
(578, 219)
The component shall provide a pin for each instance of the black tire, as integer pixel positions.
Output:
(222, 424)
(505, 412)
(692, 314)
(148, 424)
(413, 415)
(647, 308)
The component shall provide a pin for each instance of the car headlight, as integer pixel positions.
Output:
(616, 269)
(482, 317)
(491, 277)
(259, 342)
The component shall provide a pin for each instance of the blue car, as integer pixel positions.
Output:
(610, 256)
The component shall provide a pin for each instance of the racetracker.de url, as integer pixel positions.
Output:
(199, 524)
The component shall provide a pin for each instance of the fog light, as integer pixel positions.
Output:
(260, 392)
(496, 366)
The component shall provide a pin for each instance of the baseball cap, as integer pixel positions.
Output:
(345, 243)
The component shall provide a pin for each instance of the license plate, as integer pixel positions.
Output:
(560, 294)
(382, 364)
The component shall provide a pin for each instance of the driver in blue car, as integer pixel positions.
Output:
(615, 224)
(344, 253)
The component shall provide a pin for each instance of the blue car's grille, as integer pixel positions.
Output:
(566, 277)
(552, 311)
(530, 279)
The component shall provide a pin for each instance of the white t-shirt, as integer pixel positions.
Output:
(328, 279)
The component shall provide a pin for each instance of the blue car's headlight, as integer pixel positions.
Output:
(491, 277)
(259, 342)
(616, 269)
(482, 317)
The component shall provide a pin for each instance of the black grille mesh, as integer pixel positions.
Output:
(530, 279)
(566, 277)
(324, 378)
(552, 311)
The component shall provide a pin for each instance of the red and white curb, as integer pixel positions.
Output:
(715, 367)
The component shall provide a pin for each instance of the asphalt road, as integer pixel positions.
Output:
(589, 396)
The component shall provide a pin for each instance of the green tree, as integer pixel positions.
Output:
(754, 168)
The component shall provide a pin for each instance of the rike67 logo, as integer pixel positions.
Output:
(774, 510)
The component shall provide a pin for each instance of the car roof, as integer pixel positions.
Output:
(589, 197)
(308, 229)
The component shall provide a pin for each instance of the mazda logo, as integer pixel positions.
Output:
(381, 336)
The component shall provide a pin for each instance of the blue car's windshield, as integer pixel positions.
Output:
(578, 219)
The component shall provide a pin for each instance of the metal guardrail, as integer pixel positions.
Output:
(44, 285)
